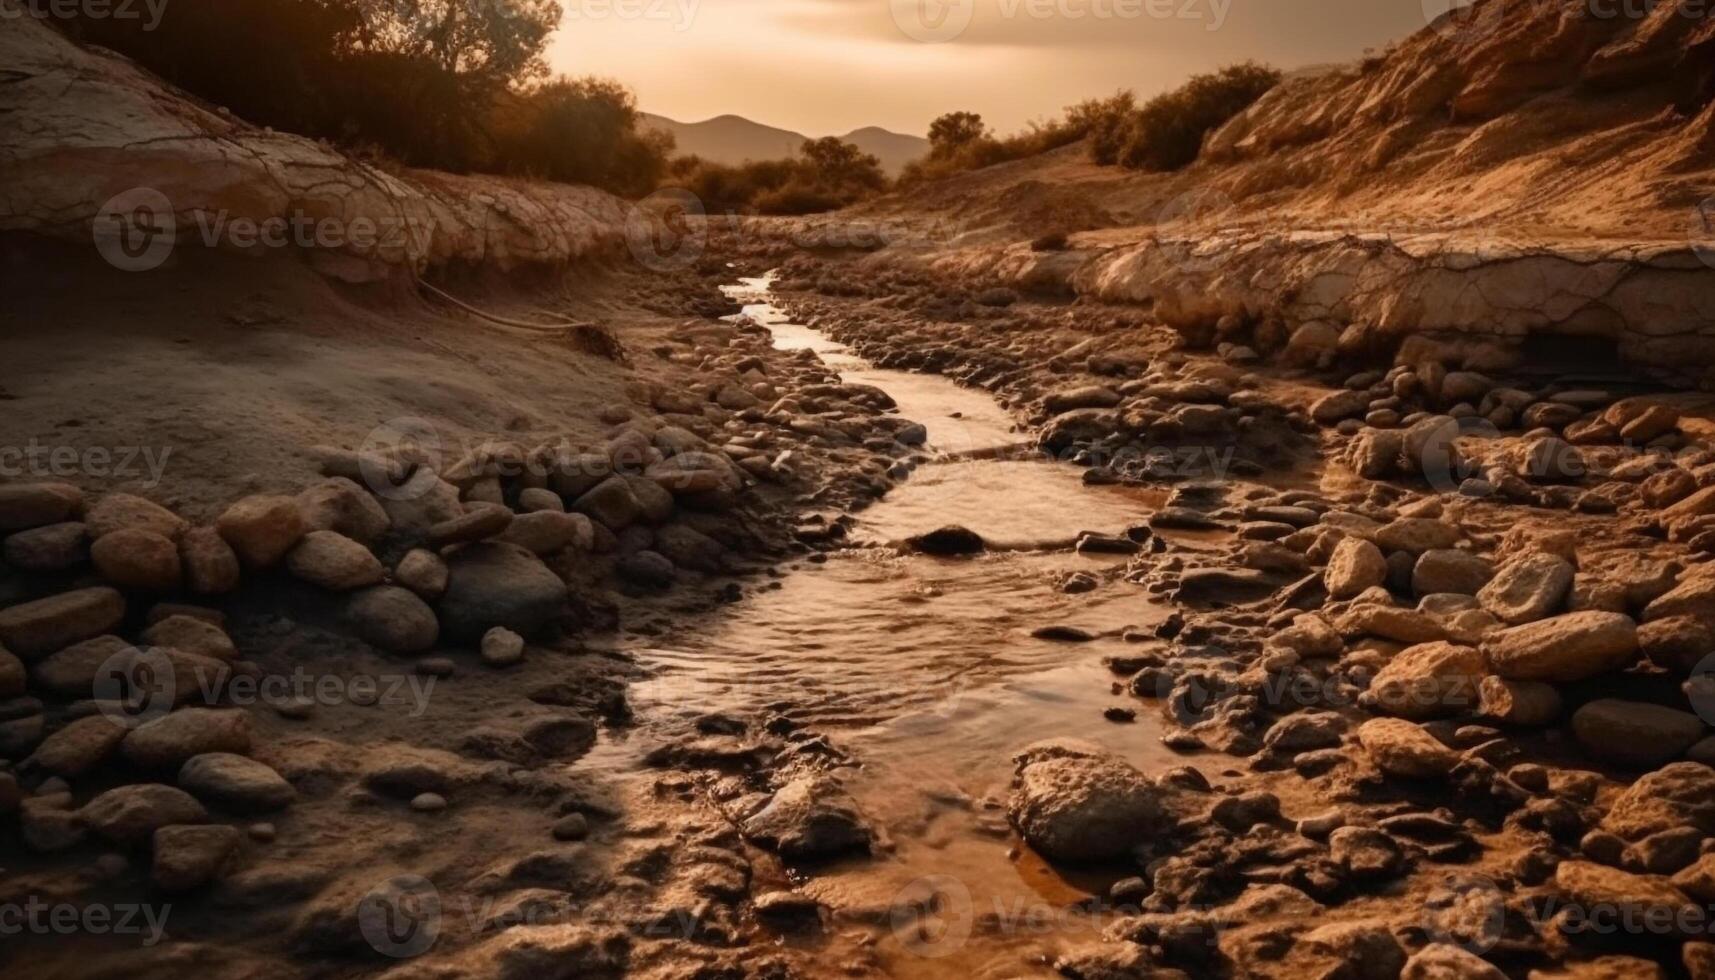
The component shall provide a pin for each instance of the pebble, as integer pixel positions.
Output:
(428, 803)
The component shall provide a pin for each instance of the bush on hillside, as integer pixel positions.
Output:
(1167, 132)
(455, 85)
(828, 174)
(959, 141)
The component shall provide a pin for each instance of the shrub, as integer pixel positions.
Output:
(452, 84)
(828, 174)
(1167, 132)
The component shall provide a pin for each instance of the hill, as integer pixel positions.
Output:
(733, 139)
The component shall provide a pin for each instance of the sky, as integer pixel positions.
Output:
(824, 67)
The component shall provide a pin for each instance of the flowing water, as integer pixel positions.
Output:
(926, 672)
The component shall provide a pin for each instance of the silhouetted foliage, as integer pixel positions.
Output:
(828, 174)
(964, 143)
(1167, 132)
(457, 85)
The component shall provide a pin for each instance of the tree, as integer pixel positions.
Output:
(954, 131)
(834, 163)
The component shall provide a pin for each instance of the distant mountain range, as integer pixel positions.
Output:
(735, 139)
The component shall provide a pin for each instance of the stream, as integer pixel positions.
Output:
(925, 671)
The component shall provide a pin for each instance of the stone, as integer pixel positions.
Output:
(31, 505)
(1530, 587)
(1355, 565)
(1076, 803)
(189, 857)
(188, 634)
(502, 648)
(1401, 748)
(654, 503)
(1529, 704)
(121, 511)
(343, 507)
(646, 569)
(428, 803)
(1441, 571)
(1375, 453)
(1598, 886)
(13, 676)
(235, 783)
(421, 502)
(1085, 396)
(948, 541)
(1365, 853)
(545, 532)
(1550, 459)
(809, 818)
(392, 619)
(686, 547)
(1694, 597)
(1338, 405)
(172, 740)
(50, 548)
(692, 473)
(1567, 648)
(130, 815)
(1416, 535)
(1429, 680)
(210, 565)
(33, 629)
(1634, 735)
(1652, 423)
(1444, 961)
(334, 562)
(497, 584)
(571, 827)
(72, 673)
(1677, 643)
(479, 523)
(535, 499)
(1391, 623)
(1361, 950)
(423, 572)
(1679, 794)
(262, 529)
(611, 502)
(78, 747)
(141, 560)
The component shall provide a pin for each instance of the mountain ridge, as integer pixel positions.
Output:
(733, 139)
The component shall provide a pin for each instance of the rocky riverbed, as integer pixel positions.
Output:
(896, 627)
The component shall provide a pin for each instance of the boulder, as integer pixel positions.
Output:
(189, 857)
(30, 505)
(1677, 643)
(1083, 805)
(1567, 648)
(13, 676)
(1550, 459)
(1444, 961)
(1633, 734)
(1529, 704)
(172, 740)
(496, 584)
(1355, 565)
(342, 506)
(262, 529)
(130, 815)
(334, 562)
(611, 502)
(190, 634)
(1416, 535)
(689, 548)
(807, 819)
(1694, 597)
(1642, 898)
(210, 565)
(1401, 748)
(236, 783)
(420, 502)
(135, 559)
(72, 673)
(479, 522)
(33, 629)
(423, 572)
(392, 619)
(50, 548)
(545, 532)
(1429, 680)
(78, 747)
(1339, 405)
(1528, 588)
(1680, 794)
(1449, 570)
(122, 511)
(948, 541)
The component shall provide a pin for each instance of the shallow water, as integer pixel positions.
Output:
(925, 670)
